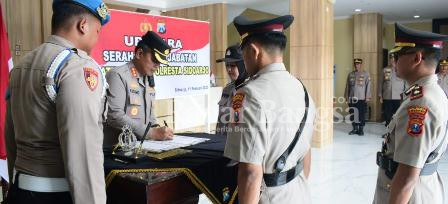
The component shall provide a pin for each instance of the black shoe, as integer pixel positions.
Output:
(354, 131)
(361, 131)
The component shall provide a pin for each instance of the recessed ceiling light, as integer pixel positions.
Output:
(416, 16)
(358, 10)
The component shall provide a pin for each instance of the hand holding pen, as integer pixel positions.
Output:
(161, 133)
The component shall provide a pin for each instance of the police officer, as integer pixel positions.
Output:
(357, 94)
(270, 115)
(417, 134)
(54, 125)
(131, 94)
(237, 74)
(390, 88)
(443, 75)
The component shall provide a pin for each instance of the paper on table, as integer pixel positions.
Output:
(178, 141)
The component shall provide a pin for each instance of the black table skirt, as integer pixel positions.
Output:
(205, 166)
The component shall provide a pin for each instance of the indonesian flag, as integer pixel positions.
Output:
(5, 67)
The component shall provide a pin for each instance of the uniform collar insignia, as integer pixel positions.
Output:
(410, 89)
(417, 92)
(247, 81)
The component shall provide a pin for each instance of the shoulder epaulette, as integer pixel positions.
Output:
(247, 81)
(417, 92)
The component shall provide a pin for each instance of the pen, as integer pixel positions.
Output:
(166, 124)
(121, 161)
(144, 135)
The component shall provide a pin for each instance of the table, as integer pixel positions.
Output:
(179, 179)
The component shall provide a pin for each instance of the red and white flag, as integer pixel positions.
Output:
(5, 67)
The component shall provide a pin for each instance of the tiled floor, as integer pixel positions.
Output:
(345, 172)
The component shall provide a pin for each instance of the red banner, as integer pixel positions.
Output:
(5, 67)
(189, 67)
(124, 31)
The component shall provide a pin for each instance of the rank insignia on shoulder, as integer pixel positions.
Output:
(134, 72)
(416, 116)
(91, 78)
(409, 90)
(243, 84)
(417, 92)
(237, 103)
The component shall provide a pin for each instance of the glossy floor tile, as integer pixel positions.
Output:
(345, 172)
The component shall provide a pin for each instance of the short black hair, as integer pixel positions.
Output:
(272, 41)
(430, 55)
(64, 12)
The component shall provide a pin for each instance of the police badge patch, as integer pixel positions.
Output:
(417, 116)
(91, 78)
(237, 103)
(103, 11)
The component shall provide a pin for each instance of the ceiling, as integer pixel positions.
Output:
(395, 10)
(392, 10)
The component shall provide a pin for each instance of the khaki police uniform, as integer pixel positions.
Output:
(60, 139)
(417, 129)
(443, 82)
(233, 56)
(390, 89)
(225, 107)
(357, 90)
(131, 98)
(268, 111)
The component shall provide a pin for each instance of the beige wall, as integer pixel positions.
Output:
(343, 48)
(312, 59)
(233, 37)
(216, 14)
(343, 54)
(389, 31)
(2, 3)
